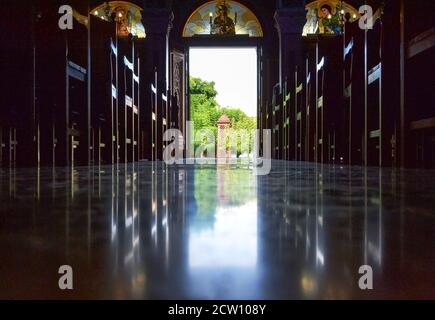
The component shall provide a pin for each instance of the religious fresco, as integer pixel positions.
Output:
(222, 24)
(127, 15)
(328, 17)
(224, 18)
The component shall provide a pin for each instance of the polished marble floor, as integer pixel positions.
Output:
(147, 231)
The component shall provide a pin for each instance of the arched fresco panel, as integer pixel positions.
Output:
(328, 16)
(223, 18)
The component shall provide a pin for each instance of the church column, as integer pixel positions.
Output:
(154, 55)
(289, 21)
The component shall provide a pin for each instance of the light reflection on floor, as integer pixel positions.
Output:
(231, 241)
(148, 231)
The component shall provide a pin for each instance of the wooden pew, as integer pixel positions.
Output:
(104, 91)
(374, 146)
(298, 115)
(309, 119)
(2, 146)
(276, 123)
(286, 121)
(419, 94)
(165, 119)
(348, 64)
(154, 114)
(353, 96)
(17, 116)
(319, 99)
(130, 97)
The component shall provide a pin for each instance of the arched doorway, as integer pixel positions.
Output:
(216, 24)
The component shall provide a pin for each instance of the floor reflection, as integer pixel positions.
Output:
(222, 250)
(223, 228)
(217, 232)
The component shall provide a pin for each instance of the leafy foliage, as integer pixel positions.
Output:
(205, 111)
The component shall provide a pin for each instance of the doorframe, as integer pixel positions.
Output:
(225, 42)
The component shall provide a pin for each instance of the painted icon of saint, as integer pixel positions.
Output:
(223, 24)
(329, 21)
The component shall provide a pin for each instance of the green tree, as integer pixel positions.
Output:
(199, 86)
(205, 111)
(203, 104)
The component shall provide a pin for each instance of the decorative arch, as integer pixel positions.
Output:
(201, 20)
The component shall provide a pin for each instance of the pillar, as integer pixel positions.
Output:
(154, 56)
(289, 21)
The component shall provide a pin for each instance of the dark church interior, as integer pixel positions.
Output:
(346, 117)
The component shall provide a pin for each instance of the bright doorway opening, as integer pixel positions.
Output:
(223, 83)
